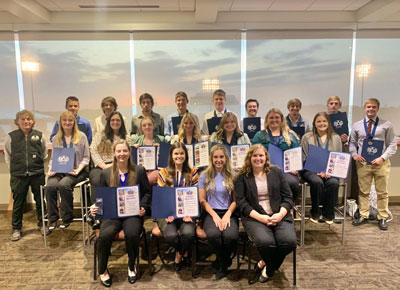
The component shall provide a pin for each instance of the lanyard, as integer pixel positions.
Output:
(179, 176)
(120, 179)
(370, 136)
(320, 143)
(71, 145)
(299, 123)
(215, 113)
(272, 138)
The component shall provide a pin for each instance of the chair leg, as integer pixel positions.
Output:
(194, 256)
(249, 265)
(95, 259)
(294, 267)
(43, 220)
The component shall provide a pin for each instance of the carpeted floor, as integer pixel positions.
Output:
(368, 260)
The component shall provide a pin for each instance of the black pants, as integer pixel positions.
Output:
(273, 243)
(63, 183)
(293, 181)
(94, 177)
(222, 243)
(324, 192)
(19, 187)
(132, 227)
(180, 241)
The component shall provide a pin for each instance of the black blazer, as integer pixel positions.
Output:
(279, 192)
(141, 180)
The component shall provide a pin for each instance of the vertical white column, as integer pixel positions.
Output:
(133, 79)
(243, 56)
(19, 72)
(352, 76)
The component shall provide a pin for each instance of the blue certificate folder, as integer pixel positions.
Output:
(372, 149)
(251, 125)
(164, 202)
(106, 200)
(317, 159)
(176, 122)
(163, 154)
(213, 124)
(275, 155)
(63, 160)
(339, 123)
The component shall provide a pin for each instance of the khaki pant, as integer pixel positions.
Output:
(380, 174)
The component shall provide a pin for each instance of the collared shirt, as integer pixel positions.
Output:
(81, 121)
(304, 123)
(158, 121)
(384, 132)
(101, 121)
(168, 131)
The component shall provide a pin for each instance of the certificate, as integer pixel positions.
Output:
(117, 202)
(372, 149)
(288, 160)
(201, 154)
(339, 123)
(176, 122)
(213, 124)
(175, 201)
(63, 160)
(145, 156)
(238, 155)
(189, 148)
(338, 164)
(251, 125)
(335, 164)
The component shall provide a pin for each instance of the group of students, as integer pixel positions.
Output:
(259, 193)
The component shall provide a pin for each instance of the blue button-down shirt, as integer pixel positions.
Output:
(83, 124)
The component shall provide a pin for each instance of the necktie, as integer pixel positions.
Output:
(370, 122)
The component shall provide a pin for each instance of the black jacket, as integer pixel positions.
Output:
(141, 180)
(278, 190)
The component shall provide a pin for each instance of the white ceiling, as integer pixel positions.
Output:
(177, 15)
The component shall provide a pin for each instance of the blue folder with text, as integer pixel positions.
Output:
(339, 123)
(174, 201)
(213, 124)
(251, 125)
(63, 160)
(372, 149)
(176, 122)
(317, 159)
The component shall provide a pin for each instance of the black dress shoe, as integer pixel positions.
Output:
(132, 278)
(383, 225)
(221, 273)
(215, 267)
(257, 268)
(178, 266)
(359, 221)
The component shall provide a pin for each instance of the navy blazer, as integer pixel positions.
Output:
(279, 192)
(141, 180)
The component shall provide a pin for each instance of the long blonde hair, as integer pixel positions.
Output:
(75, 129)
(114, 176)
(220, 132)
(196, 131)
(284, 127)
(227, 172)
(247, 168)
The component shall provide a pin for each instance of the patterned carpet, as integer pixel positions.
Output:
(368, 260)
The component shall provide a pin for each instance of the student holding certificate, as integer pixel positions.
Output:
(189, 131)
(147, 137)
(333, 105)
(278, 133)
(229, 133)
(217, 197)
(68, 136)
(264, 199)
(324, 188)
(101, 148)
(122, 173)
(177, 174)
(372, 143)
(295, 121)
